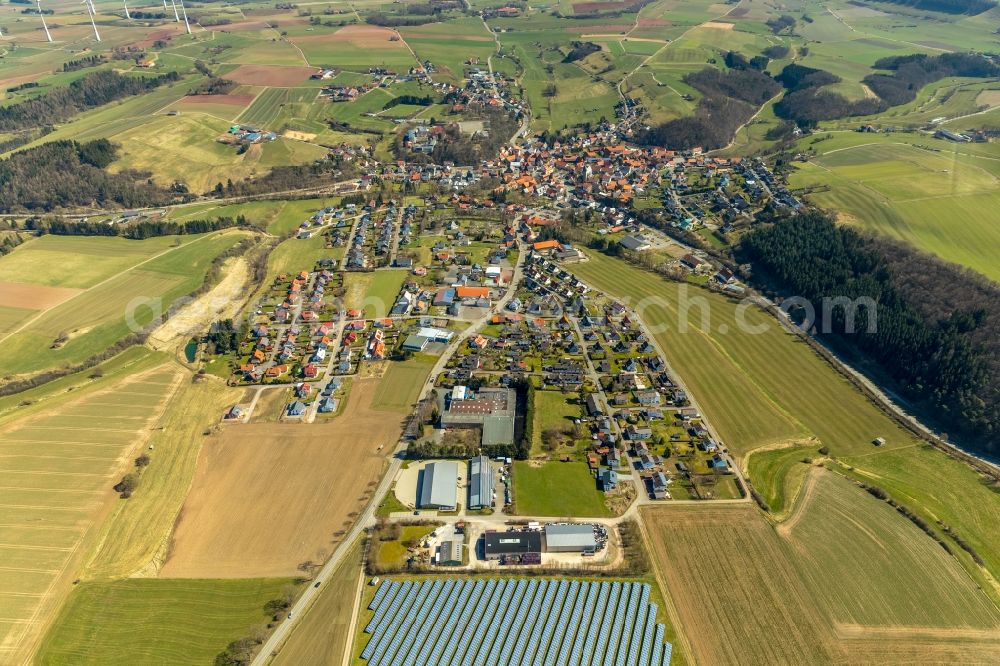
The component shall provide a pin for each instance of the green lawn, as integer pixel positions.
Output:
(382, 292)
(557, 489)
(150, 621)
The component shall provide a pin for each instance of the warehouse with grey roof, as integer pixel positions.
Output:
(481, 483)
(570, 538)
(438, 486)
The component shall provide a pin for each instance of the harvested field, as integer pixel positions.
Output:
(988, 98)
(299, 136)
(159, 35)
(718, 25)
(275, 76)
(33, 296)
(654, 23)
(738, 12)
(267, 497)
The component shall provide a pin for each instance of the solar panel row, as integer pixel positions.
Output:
(514, 621)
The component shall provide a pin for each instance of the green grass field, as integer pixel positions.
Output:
(157, 621)
(941, 202)
(381, 293)
(557, 489)
(400, 386)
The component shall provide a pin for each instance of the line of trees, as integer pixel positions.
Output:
(93, 90)
(66, 173)
(83, 63)
(937, 332)
(136, 230)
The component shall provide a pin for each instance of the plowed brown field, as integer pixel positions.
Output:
(269, 496)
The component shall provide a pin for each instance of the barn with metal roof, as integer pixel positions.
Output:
(439, 486)
(480, 483)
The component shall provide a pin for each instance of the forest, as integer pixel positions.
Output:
(807, 104)
(66, 173)
(730, 99)
(93, 90)
(913, 72)
(937, 328)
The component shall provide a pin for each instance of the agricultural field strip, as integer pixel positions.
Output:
(541, 621)
(63, 507)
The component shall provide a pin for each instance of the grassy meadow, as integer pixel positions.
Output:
(939, 197)
(558, 489)
(400, 387)
(94, 319)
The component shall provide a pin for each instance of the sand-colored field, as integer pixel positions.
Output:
(33, 296)
(299, 136)
(270, 496)
(718, 25)
(277, 76)
(988, 98)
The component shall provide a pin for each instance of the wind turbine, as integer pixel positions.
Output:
(48, 35)
(177, 17)
(186, 24)
(126, 10)
(90, 10)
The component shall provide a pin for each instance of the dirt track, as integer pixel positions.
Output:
(269, 496)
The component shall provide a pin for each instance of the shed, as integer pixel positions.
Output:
(481, 482)
(438, 484)
(570, 538)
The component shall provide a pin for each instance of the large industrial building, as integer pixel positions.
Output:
(570, 538)
(439, 486)
(481, 483)
(491, 409)
(524, 546)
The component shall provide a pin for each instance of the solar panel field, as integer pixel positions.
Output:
(514, 621)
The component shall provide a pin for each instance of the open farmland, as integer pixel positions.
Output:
(268, 496)
(910, 601)
(157, 621)
(514, 621)
(768, 369)
(357, 47)
(941, 202)
(59, 463)
(97, 317)
(135, 537)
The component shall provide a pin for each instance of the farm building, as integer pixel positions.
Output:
(481, 483)
(438, 484)
(450, 553)
(520, 545)
(570, 538)
(492, 410)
